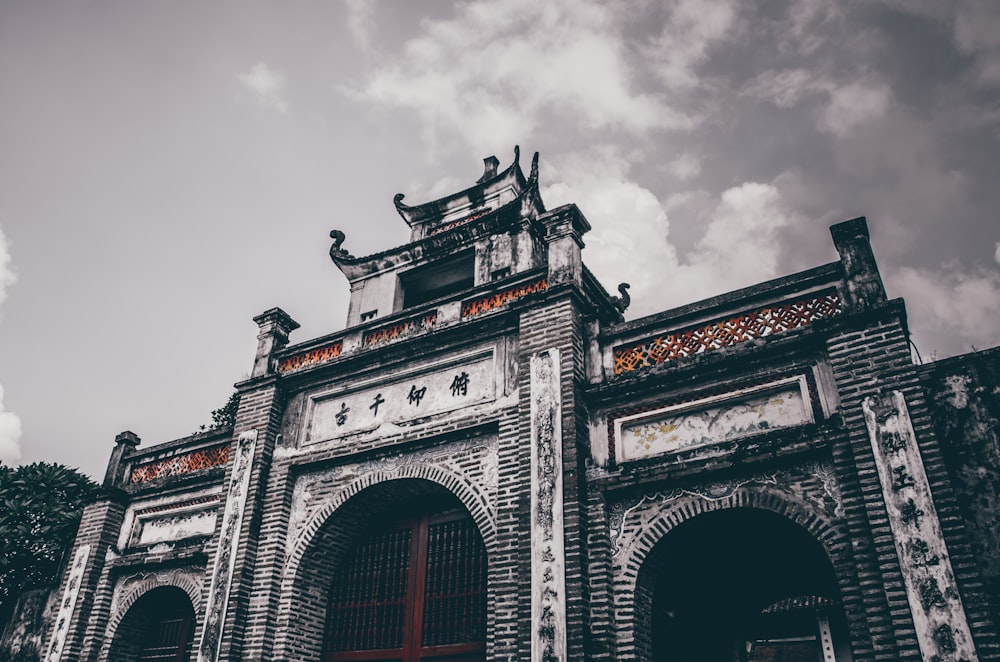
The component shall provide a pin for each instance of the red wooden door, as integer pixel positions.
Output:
(413, 591)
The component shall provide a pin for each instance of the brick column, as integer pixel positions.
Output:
(553, 330)
(232, 560)
(870, 358)
(85, 592)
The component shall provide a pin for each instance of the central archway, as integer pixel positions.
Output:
(396, 571)
(412, 588)
(740, 585)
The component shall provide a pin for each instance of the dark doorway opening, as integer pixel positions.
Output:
(159, 627)
(741, 585)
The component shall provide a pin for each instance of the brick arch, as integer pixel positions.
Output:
(154, 581)
(301, 598)
(114, 640)
(631, 639)
(470, 496)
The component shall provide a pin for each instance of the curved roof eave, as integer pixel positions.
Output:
(420, 213)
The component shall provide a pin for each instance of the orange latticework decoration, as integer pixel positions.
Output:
(479, 213)
(757, 324)
(398, 331)
(313, 356)
(500, 299)
(181, 464)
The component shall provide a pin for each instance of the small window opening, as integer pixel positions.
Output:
(370, 315)
(500, 273)
(438, 280)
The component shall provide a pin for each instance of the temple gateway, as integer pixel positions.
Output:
(489, 463)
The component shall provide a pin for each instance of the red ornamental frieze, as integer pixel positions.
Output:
(181, 464)
(725, 333)
(398, 331)
(500, 299)
(312, 357)
(479, 213)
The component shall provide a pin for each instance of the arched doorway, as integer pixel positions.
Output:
(412, 585)
(158, 627)
(740, 585)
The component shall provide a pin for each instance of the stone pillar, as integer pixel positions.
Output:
(864, 284)
(227, 544)
(548, 552)
(125, 445)
(554, 582)
(942, 627)
(564, 230)
(275, 325)
(84, 593)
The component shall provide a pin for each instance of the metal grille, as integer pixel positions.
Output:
(368, 598)
(454, 589)
(169, 639)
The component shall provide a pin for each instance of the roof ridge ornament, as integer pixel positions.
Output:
(335, 250)
(490, 165)
(621, 303)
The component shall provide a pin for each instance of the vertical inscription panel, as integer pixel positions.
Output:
(68, 604)
(225, 553)
(548, 572)
(938, 614)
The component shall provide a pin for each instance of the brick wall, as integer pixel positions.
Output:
(99, 528)
(870, 354)
(964, 397)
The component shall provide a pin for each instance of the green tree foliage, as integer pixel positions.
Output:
(40, 508)
(225, 416)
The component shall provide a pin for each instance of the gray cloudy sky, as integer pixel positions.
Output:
(169, 170)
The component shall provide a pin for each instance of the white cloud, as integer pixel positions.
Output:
(845, 106)
(977, 32)
(495, 70)
(361, 21)
(784, 89)
(10, 434)
(690, 29)
(631, 237)
(266, 86)
(951, 309)
(10, 424)
(7, 275)
(740, 246)
(685, 166)
(854, 104)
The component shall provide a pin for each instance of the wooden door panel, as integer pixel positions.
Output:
(414, 591)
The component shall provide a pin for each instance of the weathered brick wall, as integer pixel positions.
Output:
(23, 639)
(871, 355)
(964, 397)
(99, 529)
(319, 494)
(557, 325)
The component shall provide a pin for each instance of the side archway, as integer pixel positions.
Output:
(392, 523)
(705, 578)
(159, 625)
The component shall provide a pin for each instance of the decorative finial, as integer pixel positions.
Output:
(534, 168)
(517, 153)
(490, 165)
(335, 250)
(622, 302)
